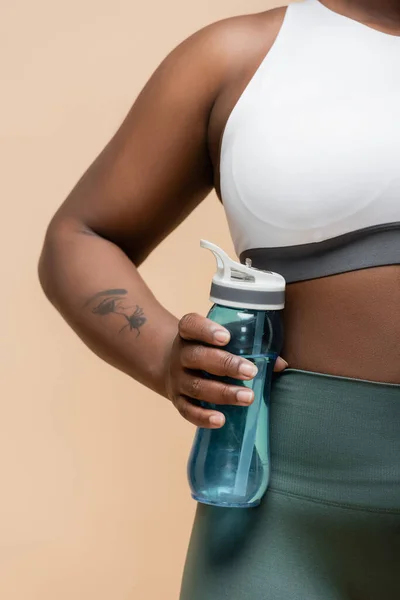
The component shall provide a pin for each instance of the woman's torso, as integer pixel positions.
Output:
(305, 143)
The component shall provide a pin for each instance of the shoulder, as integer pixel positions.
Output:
(232, 32)
(229, 43)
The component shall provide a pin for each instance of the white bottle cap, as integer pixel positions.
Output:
(242, 286)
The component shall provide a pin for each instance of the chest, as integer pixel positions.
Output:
(316, 143)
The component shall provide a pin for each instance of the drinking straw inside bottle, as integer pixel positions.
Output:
(250, 432)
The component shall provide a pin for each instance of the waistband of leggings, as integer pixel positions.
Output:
(336, 440)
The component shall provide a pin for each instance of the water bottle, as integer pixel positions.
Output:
(230, 466)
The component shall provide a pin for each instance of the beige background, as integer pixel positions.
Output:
(94, 503)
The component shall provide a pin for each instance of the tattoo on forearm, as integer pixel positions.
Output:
(112, 302)
(108, 295)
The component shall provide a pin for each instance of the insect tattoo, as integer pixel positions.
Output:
(113, 302)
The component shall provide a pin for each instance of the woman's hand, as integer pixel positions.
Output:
(191, 355)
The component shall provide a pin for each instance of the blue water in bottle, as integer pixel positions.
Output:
(231, 466)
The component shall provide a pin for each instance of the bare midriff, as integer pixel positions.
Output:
(346, 325)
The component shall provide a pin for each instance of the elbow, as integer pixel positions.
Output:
(43, 273)
(46, 262)
(52, 257)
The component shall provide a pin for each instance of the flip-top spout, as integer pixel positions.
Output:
(235, 284)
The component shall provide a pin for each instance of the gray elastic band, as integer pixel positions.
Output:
(369, 247)
(247, 296)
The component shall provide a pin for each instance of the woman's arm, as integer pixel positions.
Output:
(151, 175)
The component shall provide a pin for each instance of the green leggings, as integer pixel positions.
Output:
(329, 526)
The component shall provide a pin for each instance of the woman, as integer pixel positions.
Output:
(292, 116)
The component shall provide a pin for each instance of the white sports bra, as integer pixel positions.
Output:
(310, 154)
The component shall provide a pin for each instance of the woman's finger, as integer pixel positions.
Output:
(280, 364)
(194, 386)
(216, 362)
(196, 327)
(201, 417)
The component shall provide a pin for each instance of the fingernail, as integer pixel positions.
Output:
(245, 396)
(247, 369)
(281, 363)
(217, 420)
(222, 337)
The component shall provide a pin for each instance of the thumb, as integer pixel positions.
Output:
(280, 364)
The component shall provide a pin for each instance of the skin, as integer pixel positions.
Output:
(161, 163)
(383, 15)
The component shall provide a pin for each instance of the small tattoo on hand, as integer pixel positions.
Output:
(112, 302)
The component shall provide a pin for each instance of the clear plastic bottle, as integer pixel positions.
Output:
(231, 466)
